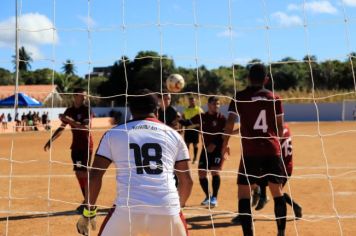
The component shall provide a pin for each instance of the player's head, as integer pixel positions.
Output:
(115, 117)
(165, 100)
(143, 104)
(258, 74)
(192, 101)
(213, 104)
(79, 96)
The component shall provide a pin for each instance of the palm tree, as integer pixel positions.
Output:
(67, 80)
(24, 59)
(68, 67)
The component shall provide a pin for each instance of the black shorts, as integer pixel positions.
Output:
(213, 158)
(191, 136)
(252, 169)
(81, 159)
(263, 182)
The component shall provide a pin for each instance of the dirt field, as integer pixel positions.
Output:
(35, 182)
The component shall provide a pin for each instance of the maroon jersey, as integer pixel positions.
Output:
(287, 153)
(82, 139)
(211, 125)
(258, 108)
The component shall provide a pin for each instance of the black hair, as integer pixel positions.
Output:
(213, 99)
(257, 73)
(116, 115)
(143, 102)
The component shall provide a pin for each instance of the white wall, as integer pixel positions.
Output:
(293, 112)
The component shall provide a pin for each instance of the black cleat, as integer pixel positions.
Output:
(236, 220)
(261, 203)
(297, 211)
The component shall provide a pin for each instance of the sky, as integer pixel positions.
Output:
(213, 33)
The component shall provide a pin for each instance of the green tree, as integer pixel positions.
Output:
(25, 59)
(66, 84)
(68, 67)
(116, 85)
(6, 78)
(150, 71)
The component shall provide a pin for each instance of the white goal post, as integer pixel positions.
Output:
(348, 109)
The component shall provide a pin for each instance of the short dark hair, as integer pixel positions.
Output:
(78, 90)
(257, 73)
(213, 99)
(143, 101)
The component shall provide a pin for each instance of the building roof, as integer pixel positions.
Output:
(38, 92)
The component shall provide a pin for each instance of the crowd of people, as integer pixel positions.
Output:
(30, 121)
(152, 158)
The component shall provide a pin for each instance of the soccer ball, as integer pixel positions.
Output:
(175, 83)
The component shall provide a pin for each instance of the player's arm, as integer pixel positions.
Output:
(55, 135)
(73, 123)
(228, 131)
(280, 125)
(279, 116)
(96, 174)
(175, 123)
(185, 181)
(194, 120)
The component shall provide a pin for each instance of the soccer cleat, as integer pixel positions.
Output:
(261, 203)
(213, 202)
(297, 211)
(256, 193)
(206, 202)
(236, 220)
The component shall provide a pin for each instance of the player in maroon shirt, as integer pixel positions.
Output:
(287, 155)
(261, 124)
(212, 125)
(78, 117)
(287, 152)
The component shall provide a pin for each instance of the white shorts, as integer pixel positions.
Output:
(121, 223)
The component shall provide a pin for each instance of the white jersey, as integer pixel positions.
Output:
(144, 153)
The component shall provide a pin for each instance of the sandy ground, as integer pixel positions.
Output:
(38, 191)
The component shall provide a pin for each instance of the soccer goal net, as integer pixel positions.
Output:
(110, 49)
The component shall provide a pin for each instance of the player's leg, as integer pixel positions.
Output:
(215, 186)
(296, 207)
(274, 168)
(245, 213)
(122, 222)
(195, 152)
(263, 183)
(249, 167)
(203, 180)
(81, 158)
(215, 159)
(166, 225)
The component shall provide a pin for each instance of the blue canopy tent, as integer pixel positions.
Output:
(23, 101)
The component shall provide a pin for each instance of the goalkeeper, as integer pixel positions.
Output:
(146, 154)
(78, 117)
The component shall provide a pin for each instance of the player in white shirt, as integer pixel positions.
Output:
(146, 153)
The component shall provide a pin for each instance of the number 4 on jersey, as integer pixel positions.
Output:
(261, 122)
